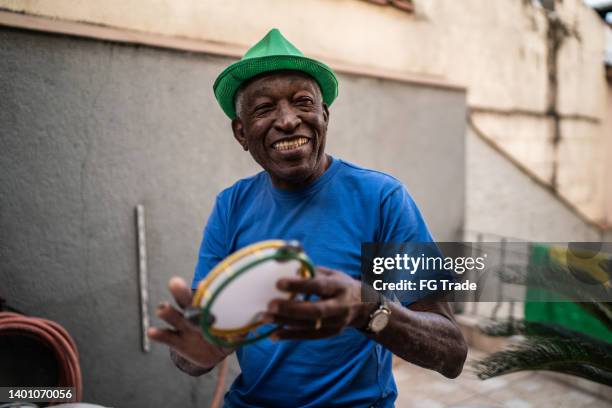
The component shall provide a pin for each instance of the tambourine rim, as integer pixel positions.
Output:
(221, 266)
(203, 286)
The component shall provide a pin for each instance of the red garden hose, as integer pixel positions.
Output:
(54, 336)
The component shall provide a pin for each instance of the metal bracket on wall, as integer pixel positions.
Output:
(142, 276)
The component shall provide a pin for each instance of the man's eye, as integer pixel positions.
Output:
(263, 108)
(304, 101)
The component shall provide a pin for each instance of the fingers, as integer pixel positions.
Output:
(180, 291)
(321, 286)
(336, 322)
(304, 310)
(166, 336)
(172, 316)
(322, 270)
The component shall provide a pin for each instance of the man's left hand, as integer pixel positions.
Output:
(339, 306)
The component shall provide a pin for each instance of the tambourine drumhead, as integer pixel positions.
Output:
(242, 299)
(237, 291)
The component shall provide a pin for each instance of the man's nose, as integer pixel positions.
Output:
(287, 119)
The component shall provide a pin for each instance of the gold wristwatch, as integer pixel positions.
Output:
(379, 318)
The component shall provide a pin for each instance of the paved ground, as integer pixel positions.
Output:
(427, 389)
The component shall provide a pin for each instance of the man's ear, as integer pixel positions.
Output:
(238, 129)
(326, 114)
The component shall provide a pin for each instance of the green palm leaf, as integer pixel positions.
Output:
(585, 371)
(588, 359)
(512, 327)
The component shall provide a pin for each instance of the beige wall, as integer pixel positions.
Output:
(607, 173)
(497, 49)
(582, 90)
(607, 131)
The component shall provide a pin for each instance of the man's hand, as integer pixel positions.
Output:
(339, 306)
(189, 350)
(425, 333)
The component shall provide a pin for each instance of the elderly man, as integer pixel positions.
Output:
(335, 350)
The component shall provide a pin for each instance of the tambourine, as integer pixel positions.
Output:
(228, 304)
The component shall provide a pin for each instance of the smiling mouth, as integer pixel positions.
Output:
(290, 144)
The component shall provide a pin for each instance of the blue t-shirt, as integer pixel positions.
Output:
(331, 217)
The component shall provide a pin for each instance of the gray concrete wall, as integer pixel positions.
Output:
(90, 129)
(502, 201)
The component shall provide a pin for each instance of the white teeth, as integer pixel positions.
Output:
(290, 144)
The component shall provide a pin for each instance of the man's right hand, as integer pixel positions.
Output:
(189, 350)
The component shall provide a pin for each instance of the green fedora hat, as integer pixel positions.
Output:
(271, 53)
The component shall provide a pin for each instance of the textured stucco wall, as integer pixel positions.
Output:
(497, 49)
(502, 201)
(607, 174)
(89, 129)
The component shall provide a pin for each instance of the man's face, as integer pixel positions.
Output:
(282, 121)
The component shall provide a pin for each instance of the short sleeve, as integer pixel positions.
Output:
(214, 245)
(401, 220)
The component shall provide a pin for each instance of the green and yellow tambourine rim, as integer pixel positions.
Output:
(222, 337)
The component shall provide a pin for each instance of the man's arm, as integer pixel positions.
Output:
(426, 334)
(189, 351)
(187, 366)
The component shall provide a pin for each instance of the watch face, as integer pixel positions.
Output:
(379, 322)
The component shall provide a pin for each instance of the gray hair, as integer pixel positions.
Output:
(238, 100)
